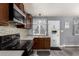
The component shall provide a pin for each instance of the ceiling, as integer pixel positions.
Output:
(52, 9)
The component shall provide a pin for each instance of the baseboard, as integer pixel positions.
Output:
(70, 46)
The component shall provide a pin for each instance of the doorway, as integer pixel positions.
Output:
(54, 32)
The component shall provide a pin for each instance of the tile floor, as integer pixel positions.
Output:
(63, 52)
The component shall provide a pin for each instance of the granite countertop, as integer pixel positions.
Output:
(32, 37)
(8, 34)
(24, 44)
(11, 53)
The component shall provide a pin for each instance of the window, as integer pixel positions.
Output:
(76, 26)
(39, 27)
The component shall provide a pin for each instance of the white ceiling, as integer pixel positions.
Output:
(52, 9)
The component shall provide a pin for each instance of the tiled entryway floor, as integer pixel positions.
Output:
(64, 52)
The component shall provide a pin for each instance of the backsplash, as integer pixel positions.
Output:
(5, 30)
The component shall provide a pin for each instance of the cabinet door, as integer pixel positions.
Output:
(41, 43)
(47, 43)
(4, 13)
(35, 43)
(28, 21)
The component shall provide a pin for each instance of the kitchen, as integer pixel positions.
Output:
(48, 28)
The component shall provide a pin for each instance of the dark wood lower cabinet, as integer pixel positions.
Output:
(41, 43)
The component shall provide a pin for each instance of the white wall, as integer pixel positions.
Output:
(52, 9)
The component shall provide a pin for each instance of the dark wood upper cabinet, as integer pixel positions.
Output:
(28, 17)
(7, 14)
(29, 21)
(4, 14)
(19, 15)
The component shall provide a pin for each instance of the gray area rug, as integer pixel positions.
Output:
(43, 53)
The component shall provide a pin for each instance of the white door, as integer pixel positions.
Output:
(54, 32)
